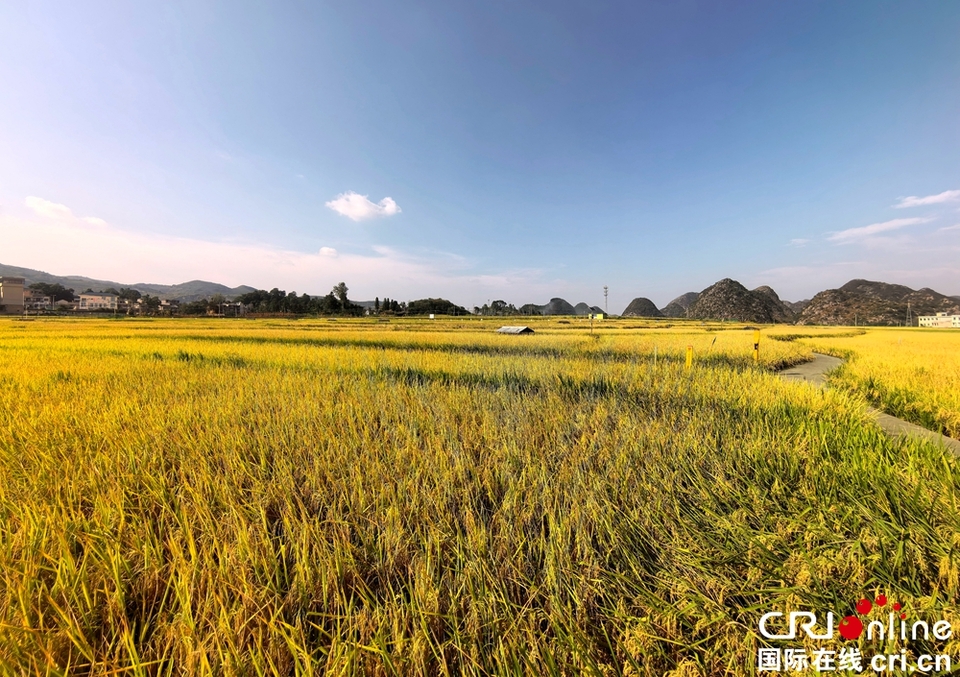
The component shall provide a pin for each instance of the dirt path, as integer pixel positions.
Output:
(815, 371)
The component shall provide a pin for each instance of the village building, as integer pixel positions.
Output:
(98, 302)
(940, 320)
(11, 294)
(36, 300)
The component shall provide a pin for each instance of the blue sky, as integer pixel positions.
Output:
(506, 149)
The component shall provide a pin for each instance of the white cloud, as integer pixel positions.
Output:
(62, 213)
(914, 201)
(74, 246)
(863, 232)
(51, 210)
(953, 227)
(798, 242)
(357, 207)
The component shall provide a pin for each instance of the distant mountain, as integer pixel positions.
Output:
(556, 306)
(875, 303)
(190, 291)
(641, 307)
(787, 310)
(530, 309)
(584, 309)
(186, 291)
(730, 300)
(679, 306)
(768, 292)
(796, 306)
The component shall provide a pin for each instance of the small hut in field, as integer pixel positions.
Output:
(514, 330)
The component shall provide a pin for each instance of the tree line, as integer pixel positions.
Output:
(336, 302)
(502, 308)
(279, 301)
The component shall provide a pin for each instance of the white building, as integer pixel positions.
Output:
(98, 302)
(941, 320)
(11, 294)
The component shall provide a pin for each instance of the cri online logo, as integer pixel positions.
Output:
(852, 627)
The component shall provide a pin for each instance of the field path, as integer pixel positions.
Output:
(815, 371)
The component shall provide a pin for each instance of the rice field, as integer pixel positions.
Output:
(214, 497)
(913, 374)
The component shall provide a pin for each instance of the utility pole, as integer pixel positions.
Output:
(606, 309)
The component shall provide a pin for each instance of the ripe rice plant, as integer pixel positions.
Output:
(197, 497)
(911, 373)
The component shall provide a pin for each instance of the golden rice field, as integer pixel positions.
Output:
(218, 497)
(913, 374)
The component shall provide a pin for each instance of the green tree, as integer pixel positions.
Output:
(215, 302)
(129, 294)
(340, 292)
(195, 307)
(56, 292)
(151, 304)
(435, 306)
